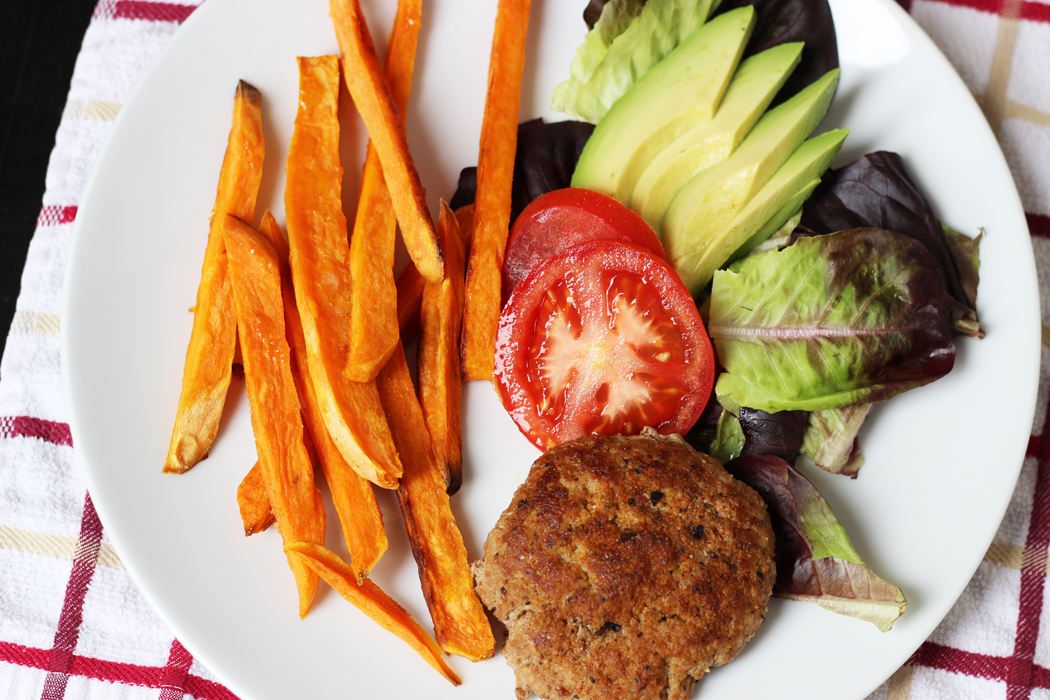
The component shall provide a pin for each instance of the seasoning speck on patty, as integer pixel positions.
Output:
(626, 567)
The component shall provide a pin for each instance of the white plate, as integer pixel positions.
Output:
(941, 461)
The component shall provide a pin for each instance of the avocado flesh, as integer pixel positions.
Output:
(779, 219)
(651, 35)
(753, 87)
(703, 208)
(683, 89)
(773, 204)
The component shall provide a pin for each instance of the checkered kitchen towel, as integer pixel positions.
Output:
(74, 625)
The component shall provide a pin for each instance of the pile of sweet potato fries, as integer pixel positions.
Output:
(318, 322)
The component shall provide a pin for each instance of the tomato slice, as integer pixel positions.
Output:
(602, 338)
(565, 218)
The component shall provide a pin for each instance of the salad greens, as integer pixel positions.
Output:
(852, 317)
(855, 299)
(683, 91)
(544, 161)
(729, 439)
(831, 438)
(877, 190)
(778, 434)
(689, 144)
(778, 22)
(760, 433)
(608, 70)
(612, 21)
(785, 21)
(815, 559)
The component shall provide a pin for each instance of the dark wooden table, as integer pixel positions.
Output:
(39, 43)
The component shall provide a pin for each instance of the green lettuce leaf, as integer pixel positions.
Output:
(615, 18)
(878, 190)
(607, 70)
(965, 252)
(728, 442)
(725, 436)
(831, 440)
(847, 318)
(815, 559)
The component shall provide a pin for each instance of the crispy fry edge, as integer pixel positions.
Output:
(373, 310)
(319, 253)
(209, 355)
(275, 411)
(440, 381)
(410, 283)
(499, 137)
(254, 502)
(368, 86)
(372, 601)
(437, 545)
(354, 500)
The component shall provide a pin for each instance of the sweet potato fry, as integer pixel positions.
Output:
(372, 601)
(465, 219)
(373, 333)
(319, 258)
(209, 357)
(254, 502)
(437, 545)
(374, 100)
(410, 283)
(276, 421)
(353, 497)
(499, 138)
(440, 381)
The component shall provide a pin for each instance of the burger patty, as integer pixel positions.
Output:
(626, 567)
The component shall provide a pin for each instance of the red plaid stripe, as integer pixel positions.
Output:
(54, 215)
(1036, 12)
(27, 426)
(138, 9)
(60, 660)
(1020, 679)
(175, 673)
(1028, 10)
(1038, 225)
(173, 679)
(958, 661)
(116, 672)
(1019, 671)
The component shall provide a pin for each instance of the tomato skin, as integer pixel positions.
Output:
(594, 324)
(565, 218)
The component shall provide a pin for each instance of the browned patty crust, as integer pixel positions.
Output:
(626, 568)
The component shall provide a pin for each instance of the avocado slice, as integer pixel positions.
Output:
(778, 220)
(703, 210)
(754, 85)
(764, 213)
(651, 35)
(768, 239)
(683, 89)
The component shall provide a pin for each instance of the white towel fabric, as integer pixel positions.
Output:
(74, 625)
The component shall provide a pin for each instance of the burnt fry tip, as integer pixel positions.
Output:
(248, 92)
